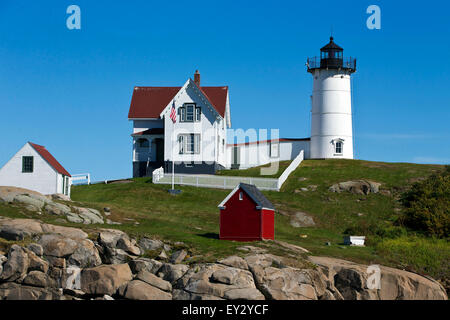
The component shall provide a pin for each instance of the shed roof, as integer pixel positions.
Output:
(50, 159)
(257, 196)
(254, 193)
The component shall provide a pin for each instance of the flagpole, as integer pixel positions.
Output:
(173, 160)
(173, 117)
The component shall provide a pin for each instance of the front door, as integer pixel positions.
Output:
(159, 150)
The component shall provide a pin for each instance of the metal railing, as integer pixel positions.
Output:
(332, 63)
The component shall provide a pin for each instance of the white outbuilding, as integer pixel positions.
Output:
(34, 168)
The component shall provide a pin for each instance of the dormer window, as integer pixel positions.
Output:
(189, 112)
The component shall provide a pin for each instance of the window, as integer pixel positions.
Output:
(241, 195)
(338, 147)
(142, 143)
(27, 164)
(189, 143)
(274, 150)
(67, 186)
(198, 114)
(190, 113)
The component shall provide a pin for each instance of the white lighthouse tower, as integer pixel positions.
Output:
(331, 112)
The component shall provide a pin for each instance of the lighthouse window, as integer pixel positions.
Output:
(338, 147)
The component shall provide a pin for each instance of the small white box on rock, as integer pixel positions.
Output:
(354, 240)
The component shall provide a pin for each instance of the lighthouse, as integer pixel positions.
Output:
(331, 110)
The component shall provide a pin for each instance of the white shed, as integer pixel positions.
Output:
(34, 168)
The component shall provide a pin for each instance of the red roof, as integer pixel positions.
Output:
(50, 159)
(149, 102)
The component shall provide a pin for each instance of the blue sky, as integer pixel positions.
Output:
(70, 90)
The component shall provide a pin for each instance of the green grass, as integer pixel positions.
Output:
(193, 217)
(430, 256)
(256, 171)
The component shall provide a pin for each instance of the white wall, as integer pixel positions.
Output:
(43, 179)
(210, 127)
(253, 155)
(331, 114)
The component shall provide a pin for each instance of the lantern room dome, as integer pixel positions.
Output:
(332, 57)
(331, 46)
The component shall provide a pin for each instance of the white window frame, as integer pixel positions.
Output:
(189, 143)
(190, 114)
(271, 149)
(241, 195)
(182, 114)
(196, 113)
(336, 143)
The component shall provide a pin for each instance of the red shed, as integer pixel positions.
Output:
(246, 215)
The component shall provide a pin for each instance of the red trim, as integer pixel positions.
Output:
(50, 159)
(266, 141)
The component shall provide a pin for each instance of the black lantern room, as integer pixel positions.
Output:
(332, 57)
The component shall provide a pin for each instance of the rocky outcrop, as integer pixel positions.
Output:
(140, 290)
(363, 187)
(36, 202)
(355, 282)
(63, 263)
(301, 219)
(105, 279)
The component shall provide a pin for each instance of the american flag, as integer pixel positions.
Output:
(173, 113)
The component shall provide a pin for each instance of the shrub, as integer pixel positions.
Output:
(427, 203)
(424, 255)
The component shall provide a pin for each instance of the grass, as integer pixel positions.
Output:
(192, 217)
(431, 256)
(256, 171)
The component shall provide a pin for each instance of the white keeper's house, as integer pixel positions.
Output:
(196, 138)
(34, 168)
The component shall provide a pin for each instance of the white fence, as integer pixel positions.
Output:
(82, 176)
(292, 166)
(157, 174)
(213, 181)
(226, 182)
